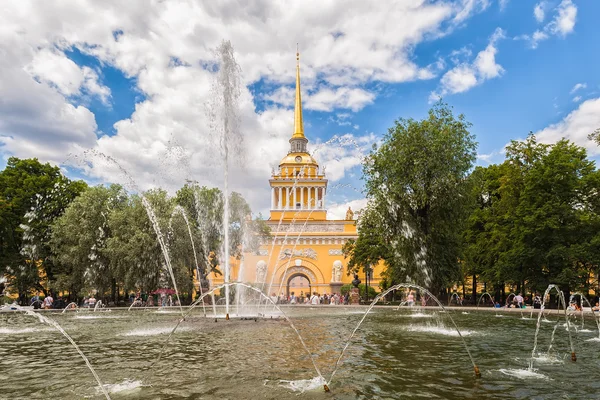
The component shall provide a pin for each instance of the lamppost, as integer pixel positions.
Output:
(368, 276)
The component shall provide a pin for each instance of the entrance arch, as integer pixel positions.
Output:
(297, 275)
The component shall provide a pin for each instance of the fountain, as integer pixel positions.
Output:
(454, 295)
(491, 300)
(251, 343)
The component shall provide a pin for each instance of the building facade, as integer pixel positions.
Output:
(305, 251)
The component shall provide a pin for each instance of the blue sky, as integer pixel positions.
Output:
(132, 83)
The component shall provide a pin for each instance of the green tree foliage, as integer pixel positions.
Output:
(537, 218)
(370, 246)
(32, 196)
(417, 184)
(79, 241)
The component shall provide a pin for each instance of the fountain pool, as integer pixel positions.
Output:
(390, 357)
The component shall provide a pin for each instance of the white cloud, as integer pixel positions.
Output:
(576, 126)
(167, 139)
(538, 11)
(55, 69)
(578, 86)
(577, 99)
(563, 23)
(346, 98)
(503, 4)
(468, 75)
(342, 153)
(338, 210)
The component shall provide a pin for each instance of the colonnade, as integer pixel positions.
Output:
(314, 196)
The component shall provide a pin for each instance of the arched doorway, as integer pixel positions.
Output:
(298, 283)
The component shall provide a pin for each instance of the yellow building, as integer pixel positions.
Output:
(305, 252)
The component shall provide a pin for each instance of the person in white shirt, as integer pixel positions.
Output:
(314, 300)
(48, 300)
(519, 300)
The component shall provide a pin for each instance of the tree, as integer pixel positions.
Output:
(32, 196)
(595, 136)
(370, 246)
(417, 182)
(79, 241)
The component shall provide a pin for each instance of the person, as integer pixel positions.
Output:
(497, 305)
(48, 300)
(537, 302)
(423, 301)
(274, 298)
(170, 301)
(410, 300)
(519, 300)
(293, 299)
(150, 302)
(596, 308)
(314, 300)
(86, 302)
(92, 301)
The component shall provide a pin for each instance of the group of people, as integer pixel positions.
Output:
(312, 299)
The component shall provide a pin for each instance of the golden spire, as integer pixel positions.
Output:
(298, 126)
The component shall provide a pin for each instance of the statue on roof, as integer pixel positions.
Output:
(349, 214)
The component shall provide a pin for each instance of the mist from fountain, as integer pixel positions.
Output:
(46, 320)
(537, 329)
(262, 295)
(491, 300)
(70, 307)
(596, 319)
(453, 296)
(149, 211)
(381, 296)
(224, 119)
(179, 210)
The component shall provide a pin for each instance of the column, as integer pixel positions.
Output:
(287, 198)
(302, 198)
(319, 198)
(309, 198)
(324, 193)
(295, 193)
(272, 198)
(280, 199)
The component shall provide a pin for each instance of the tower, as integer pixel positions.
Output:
(298, 187)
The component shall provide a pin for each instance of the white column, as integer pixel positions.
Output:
(320, 201)
(324, 193)
(302, 198)
(295, 193)
(286, 193)
(309, 198)
(280, 199)
(272, 198)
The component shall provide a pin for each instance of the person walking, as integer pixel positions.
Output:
(410, 299)
(314, 300)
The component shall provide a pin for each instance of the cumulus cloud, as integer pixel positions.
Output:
(338, 210)
(563, 22)
(538, 11)
(466, 75)
(167, 48)
(576, 126)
